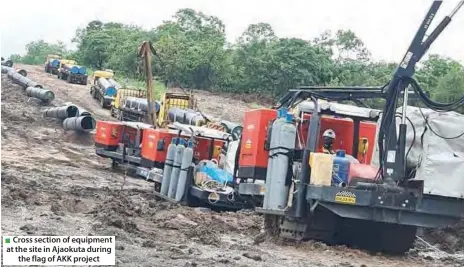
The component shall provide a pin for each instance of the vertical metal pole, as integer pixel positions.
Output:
(146, 54)
(311, 146)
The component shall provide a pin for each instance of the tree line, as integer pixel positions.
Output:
(192, 51)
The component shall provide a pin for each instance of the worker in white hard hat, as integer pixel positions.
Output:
(329, 138)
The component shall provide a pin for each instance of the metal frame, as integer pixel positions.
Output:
(404, 206)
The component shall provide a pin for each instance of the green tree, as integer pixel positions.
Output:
(191, 48)
(433, 69)
(37, 51)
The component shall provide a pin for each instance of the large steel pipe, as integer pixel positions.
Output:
(233, 128)
(185, 116)
(106, 86)
(139, 104)
(82, 70)
(61, 112)
(6, 69)
(82, 112)
(55, 62)
(22, 81)
(7, 63)
(42, 94)
(71, 68)
(82, 123)
(114, 83)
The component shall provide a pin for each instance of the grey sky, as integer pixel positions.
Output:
(386, 26)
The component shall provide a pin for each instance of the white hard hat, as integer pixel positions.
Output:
(329, 133)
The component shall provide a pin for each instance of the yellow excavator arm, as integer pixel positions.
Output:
(145, 50)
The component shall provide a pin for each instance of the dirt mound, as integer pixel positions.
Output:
(449, 239)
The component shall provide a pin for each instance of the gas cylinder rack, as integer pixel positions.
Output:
(178, 177)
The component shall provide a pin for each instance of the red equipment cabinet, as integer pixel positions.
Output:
(155, 146)
(156, 141)
(344, 131)
(206, 148)
(108, 134)
(253, 155)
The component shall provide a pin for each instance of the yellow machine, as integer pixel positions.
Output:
(131, 105)
(66, 61)
(50, 57)
(104, 95)
(101, 73)
(170, 100)
(124, 112)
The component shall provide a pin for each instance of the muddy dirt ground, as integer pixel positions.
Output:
(54, 184)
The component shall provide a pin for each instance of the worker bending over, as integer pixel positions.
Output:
(329, 138)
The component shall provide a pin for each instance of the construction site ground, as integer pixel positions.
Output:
(54, 184)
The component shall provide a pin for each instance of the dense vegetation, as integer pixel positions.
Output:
(193, 52)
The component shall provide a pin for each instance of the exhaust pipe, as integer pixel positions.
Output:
(61, 112)
(82, 123)
(42, 94)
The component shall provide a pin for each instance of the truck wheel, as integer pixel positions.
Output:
(93, 92)
(46, 69)
(68, 79)
(102, 102)
(58, 75)
(84, 82)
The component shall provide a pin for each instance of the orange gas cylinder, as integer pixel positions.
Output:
(108, 134)
(367, 130)
(205, 148)
(253, 155)
(344, 131)
(155, 146)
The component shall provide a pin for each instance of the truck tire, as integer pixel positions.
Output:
(84, 82)
(46, 69)
(58, 75)
(93, 92)
(102, 102)
(68, 79)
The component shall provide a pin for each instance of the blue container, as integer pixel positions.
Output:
(341, 169)
(55, 63)
(282, 112)
(111, 91)
(82, 70)
(157, 106)
(74, 70)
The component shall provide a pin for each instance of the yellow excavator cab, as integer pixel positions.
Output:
(116, 103)
(50, 57)
(169, 100)
(102, 74)
(67, 61)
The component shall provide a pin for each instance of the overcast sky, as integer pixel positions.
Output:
(385, 26)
